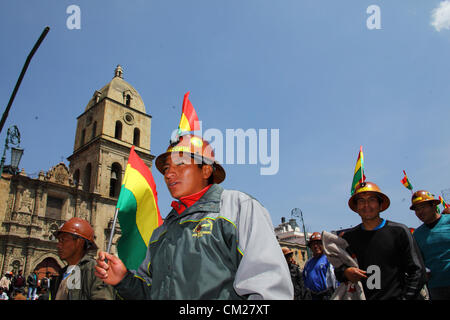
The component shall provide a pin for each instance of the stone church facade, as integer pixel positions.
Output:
(31, 209)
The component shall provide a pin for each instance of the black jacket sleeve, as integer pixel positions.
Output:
(415, 274)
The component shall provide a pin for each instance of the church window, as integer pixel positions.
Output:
(115, 182)
(94, 129)
(76, 177)
(83, 135)
(128, 100)
(128, 118)
(54, 208)
(118, 130)
(136, 137)
(87, 178)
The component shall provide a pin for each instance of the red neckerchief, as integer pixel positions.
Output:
(185, 202)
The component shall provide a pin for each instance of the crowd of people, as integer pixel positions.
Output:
(389, 260)
(220, 244)
(16, 287)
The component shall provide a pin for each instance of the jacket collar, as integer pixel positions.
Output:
(209, 202)
(83, 260)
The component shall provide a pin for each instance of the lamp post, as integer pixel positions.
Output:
(12, 138)
(297, 213)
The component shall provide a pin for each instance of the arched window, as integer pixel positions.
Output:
(118, 130)
(87, 178)
(136, 137)
(128, 100)
(83, 135)
(115, 181)
(76, 177)
(94, 129)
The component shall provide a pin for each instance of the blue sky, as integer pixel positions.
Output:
(312, 69)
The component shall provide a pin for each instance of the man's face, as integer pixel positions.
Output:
(183, 177)
(68, 246)
(426, 212)
(368, 206)
(316, 248)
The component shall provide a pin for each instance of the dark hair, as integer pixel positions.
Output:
(87, 244)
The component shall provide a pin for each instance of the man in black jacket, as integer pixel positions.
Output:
(390, 263)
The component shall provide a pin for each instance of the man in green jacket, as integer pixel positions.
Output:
(433, 238)
(77, 280)
(214, 244)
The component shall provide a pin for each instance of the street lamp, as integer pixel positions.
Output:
(297, 213)
(13, 138)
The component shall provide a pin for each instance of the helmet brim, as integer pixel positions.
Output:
(434, 202)
(218, 171)
(92, 246)
(384, 204)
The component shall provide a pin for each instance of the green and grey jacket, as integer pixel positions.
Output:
(90, 288)
(222, 247)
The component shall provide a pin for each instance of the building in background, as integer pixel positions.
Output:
(289, 235)
(32, 208)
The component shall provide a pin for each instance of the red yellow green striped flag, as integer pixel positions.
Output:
(445, 205)
(189, 120)
(358, 176)
(405, 181)
(138, 211)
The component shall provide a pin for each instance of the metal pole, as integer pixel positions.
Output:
(22, 74)
(108, 249)
(295, 213)
(304, 234)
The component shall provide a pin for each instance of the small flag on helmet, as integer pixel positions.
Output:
(405, 181)
(358, 176)
(189, 120)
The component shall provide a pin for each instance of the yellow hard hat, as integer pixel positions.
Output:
(422, 196)
(199, 149)
(368, 187)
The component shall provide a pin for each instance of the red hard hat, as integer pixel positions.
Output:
(78, 227)
(316, 236)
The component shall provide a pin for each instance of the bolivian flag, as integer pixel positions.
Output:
(189, 120)
(405, 181)
(138, 211)
(358, 176)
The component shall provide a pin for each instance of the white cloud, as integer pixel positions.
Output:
(441, 16)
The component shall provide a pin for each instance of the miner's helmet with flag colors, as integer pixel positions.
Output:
(422, 196)
(198, 148)
(368, 187)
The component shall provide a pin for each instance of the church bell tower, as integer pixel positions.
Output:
(114, 120)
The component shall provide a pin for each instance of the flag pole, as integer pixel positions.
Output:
(108, 249)
(362, 164)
